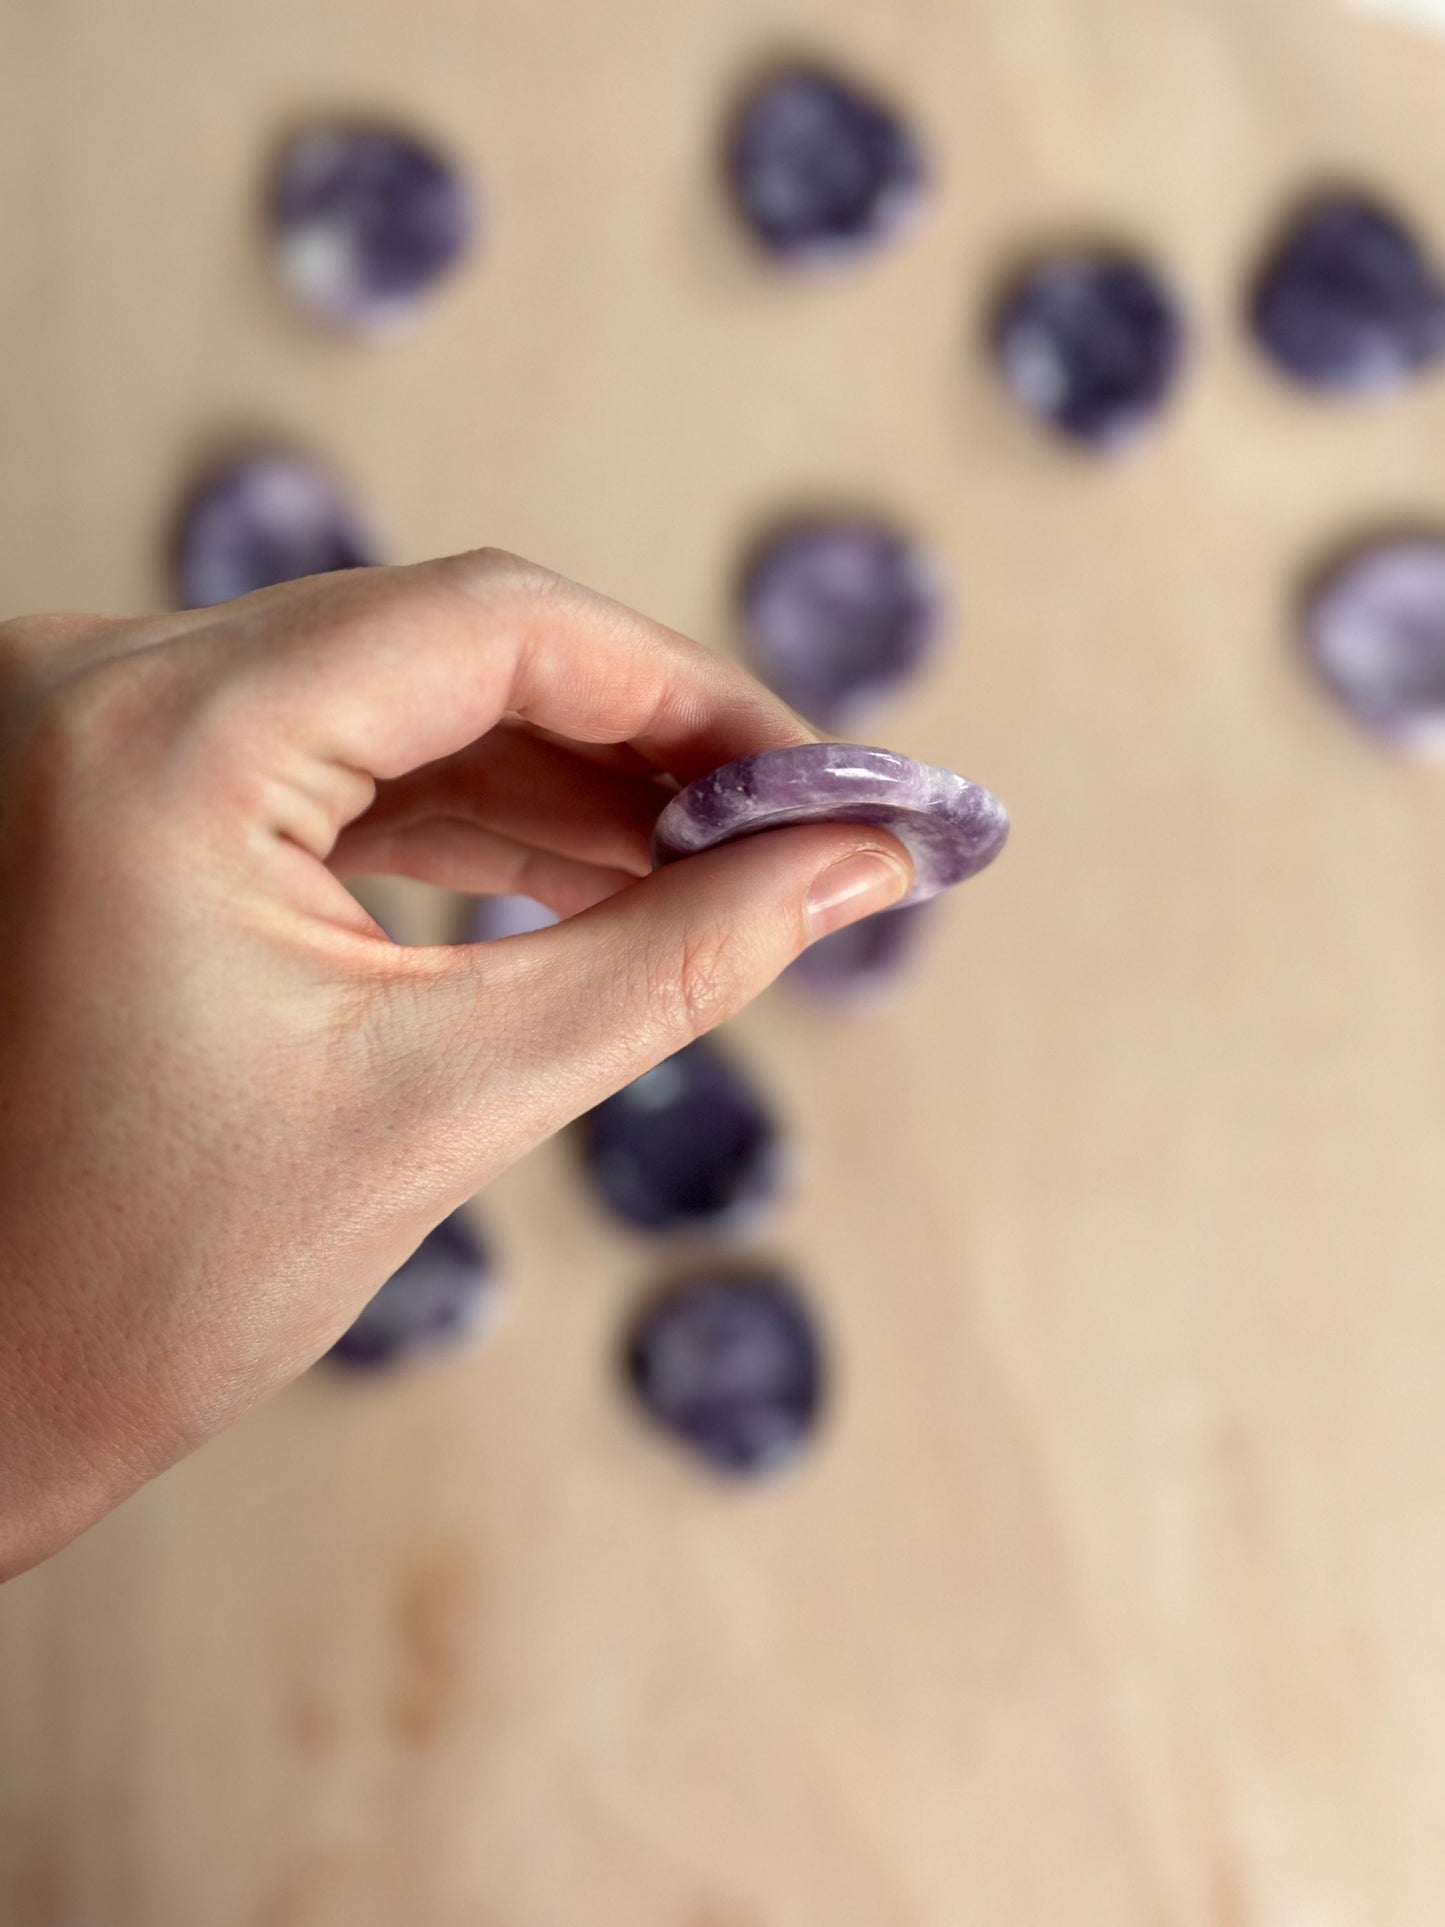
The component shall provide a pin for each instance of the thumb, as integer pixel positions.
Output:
(573, 1013)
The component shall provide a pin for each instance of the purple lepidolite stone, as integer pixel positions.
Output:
(688, 1146)
(952, 828)
(366, 221)
(1374, 629)
(1347, 301)
(731, 1365)
(271, 516)
(1091, 344)
(438, 1298)
(822, 170)
(838, 614)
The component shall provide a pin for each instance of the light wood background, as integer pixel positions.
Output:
(1116, 1593)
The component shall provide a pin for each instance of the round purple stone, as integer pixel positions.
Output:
(269, 517)
(438, 1298)
(1092, 345)
(1348, 301)
(366, 221)
(952, 828)
(689, 1146)
(838, 614)
(822, 170)
(731, 1365)
(1374, 629)
(864, 962)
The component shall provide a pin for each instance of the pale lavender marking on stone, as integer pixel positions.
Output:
(952, 828)
(1374, 630)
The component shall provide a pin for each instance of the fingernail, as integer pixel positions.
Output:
(856, 887)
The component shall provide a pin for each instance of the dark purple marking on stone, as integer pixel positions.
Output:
(838, 614)
(690, 1146)
(491, 918)
(1348, 301)
(863, 963)
(439, 1298)
(1373, 627)
(822, 170)
(731, 1365)
(952, 828)
(366, 221)
(1091, 344)
(268, 517)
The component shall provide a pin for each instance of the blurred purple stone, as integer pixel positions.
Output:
(731, 1365)
(1374, 629)
(366, 222)
(838, 614)
(952, 828)
(690, 1146)
(1092, 345)
(269, 517)
(822, 170)
(863, 963)
(491, 918)
(438, 1299)
(1348, 301)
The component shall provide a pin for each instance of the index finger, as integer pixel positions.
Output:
(383, 670)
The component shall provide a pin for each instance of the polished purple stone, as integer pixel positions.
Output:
(1374, 629)
(1091, 344)
(952, 828)
(366, 221)
(438, 1298)
(837, 614)
(1348, 300)
(731, 1365)
(821, 169)
(491, 918)
(269, 517)
(863, 963)
(688, 1146)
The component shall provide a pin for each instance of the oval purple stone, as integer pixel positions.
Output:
(838, 614)
(730, 1364)
(822, 170)
(269, 517)
(1347, 301)
(366, 222)
(952, 828)
(1092, 345)
(1374, 629)
(688, 1146)
(437, 1299)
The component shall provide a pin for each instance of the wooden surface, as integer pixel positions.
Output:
(1116, 1594)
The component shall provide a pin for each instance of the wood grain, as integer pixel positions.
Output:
(1115, 1596)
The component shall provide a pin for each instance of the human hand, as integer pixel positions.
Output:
(229, 1105)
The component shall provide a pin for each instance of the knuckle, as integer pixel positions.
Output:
(699, 985)
(106, 706)
(115, 727)
(490, 571)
